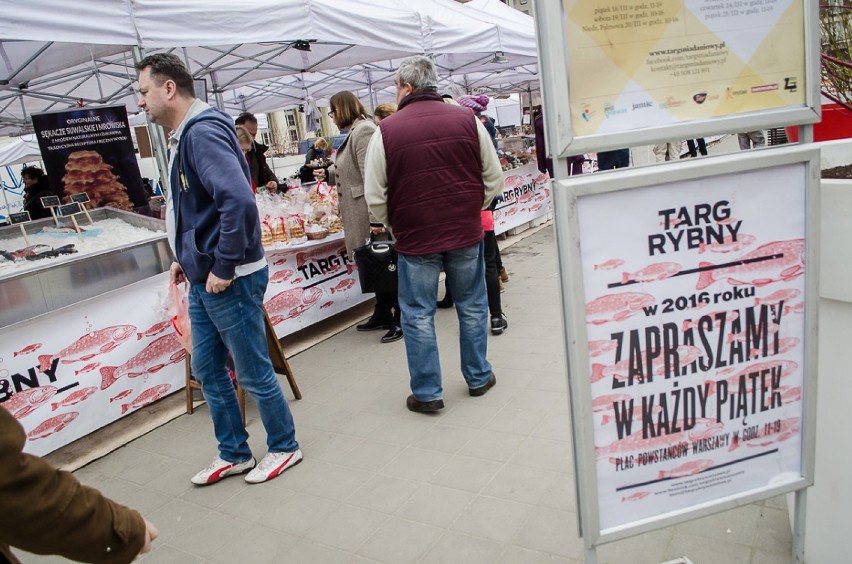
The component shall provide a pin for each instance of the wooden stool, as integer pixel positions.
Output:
(279, 363)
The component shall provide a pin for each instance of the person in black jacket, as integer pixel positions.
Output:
(261, 174)
(36, 186)
(315, 159)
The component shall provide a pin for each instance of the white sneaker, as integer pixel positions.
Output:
(272, 465)
(219, 469)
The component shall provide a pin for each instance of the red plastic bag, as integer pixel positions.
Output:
(179, 310)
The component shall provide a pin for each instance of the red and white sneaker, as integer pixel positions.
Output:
(219, 469)
(272, 465)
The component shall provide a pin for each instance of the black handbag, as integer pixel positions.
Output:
(377, 266)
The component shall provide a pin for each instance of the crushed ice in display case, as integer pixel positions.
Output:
(54, 243)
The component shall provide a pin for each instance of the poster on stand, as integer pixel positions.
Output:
(525, 197)
(309, 283)
(668, 61)
(90, 150)
(693, 377)
(70, 372)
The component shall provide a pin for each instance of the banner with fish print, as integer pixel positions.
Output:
(309, 283)
(68, 373)
(525, 197)
(695, 318)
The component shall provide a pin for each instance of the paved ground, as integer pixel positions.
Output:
(486, 480)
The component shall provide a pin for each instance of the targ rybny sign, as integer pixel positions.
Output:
(694, 310)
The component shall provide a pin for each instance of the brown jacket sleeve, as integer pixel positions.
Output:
(47, 511)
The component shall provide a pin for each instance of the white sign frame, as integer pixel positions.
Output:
(555, 86)
(566, 195)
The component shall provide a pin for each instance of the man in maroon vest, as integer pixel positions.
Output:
(430, 170)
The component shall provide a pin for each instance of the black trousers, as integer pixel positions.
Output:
(608, 160)
(702, 147)
(387, 306)
(492, 273)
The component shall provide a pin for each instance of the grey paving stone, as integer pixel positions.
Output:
(551, 531)
(521, 483)
(704, 550)
(400, 541)
(258, 545)
(465, 473)
(383, 494)
(492, 445)
(493, 519)
(435, 505)
(346, 527)
(456, 547)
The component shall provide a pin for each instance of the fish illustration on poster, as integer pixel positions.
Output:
(310, 283)
(694, 294)
(55, 389)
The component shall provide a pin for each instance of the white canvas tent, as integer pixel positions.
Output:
(57, 58)
(22, 150)
(470, 59)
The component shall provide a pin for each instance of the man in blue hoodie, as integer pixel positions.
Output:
(213, 229)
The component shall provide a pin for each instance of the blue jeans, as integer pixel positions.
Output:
(233, 321)
(418, 294)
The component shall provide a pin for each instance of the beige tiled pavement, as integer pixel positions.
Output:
(486, 480)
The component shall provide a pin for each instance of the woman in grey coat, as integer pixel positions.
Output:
(349, 114)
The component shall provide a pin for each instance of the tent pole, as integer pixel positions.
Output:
(97, 75)
(373, 100)
(157, 137)
(220, 102)
(6, 200)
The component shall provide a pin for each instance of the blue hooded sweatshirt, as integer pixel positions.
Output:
(216, 219)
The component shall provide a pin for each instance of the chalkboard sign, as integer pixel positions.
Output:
(20, 217)
(81, 198)
(51, 201)
(70, 209)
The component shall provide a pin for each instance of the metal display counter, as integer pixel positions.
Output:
(70, 279)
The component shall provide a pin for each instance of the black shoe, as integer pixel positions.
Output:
(481, 391)
(374, 323)
(498, 324)
(446, 303)
(423, 406)
(394, 334)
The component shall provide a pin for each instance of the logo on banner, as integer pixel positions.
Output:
(699, 98)
(643, 105)
(671, 102)
(611, 110)
(764, 88)
(790, 84)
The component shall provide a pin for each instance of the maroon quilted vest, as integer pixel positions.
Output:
(435, 188)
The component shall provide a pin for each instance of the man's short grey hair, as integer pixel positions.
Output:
(419, 72)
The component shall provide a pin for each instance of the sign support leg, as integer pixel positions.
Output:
(799, 518)
(592, 555)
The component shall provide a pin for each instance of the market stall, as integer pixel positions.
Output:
(87, 336)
